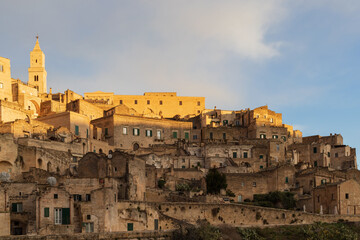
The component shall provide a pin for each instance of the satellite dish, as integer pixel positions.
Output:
(51, 181)
(4, 177)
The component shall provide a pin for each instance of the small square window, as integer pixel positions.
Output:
(88, 217)
(198, 103)
(124, 130)
(346, 195)
(148, 102)
(135, 101)
(56, 196)
(180, 103)
(1, 85)
(121, 102)
(175, 134)
(254, 184)
(161, 102)
(315, 149)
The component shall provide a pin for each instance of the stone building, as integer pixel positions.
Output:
(337, 198)
(165, 104)
(133, 132)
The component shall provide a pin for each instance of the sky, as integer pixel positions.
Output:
(301, 58)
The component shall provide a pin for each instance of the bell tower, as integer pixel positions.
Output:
(37, 72)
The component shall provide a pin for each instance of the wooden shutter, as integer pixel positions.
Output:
(46, 212)
(65, 216)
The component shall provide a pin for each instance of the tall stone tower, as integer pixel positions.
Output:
(37, 72)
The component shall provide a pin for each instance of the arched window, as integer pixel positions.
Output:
(39, 163)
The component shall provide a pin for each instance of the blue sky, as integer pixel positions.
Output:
(301, 58)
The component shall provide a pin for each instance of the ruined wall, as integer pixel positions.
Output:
(243, 215)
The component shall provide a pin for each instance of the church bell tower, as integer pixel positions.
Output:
(37, 72)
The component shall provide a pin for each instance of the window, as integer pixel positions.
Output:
(261, 156)
(315, 163)
(332, 197)
(283, 138)
(77, 197)
(77, 130)
(56, 196)
(211, 136)
(277, 147)
(271, 120)
(158, 134)
(186, 135)
(121, 102)
(16, 207)
(224, 136)
(125, 130)
(257, 116)
(135, 101)
(262, 136)
(1, 68)
(148, 102)
(88, 217)
(161, 102)
(237, 123)
(148, 133)
(323, 181)
(180, 103)
(315, 149)
(87, 133)
(88, 197)
(286, 180)
(130, 226)
(74, 159)
(182, 166)
(275, 136)
(245, 155)
(261, 167)
(46, 212)
(346, 195)
(225, 122)
(254, 184)
(234, 154)
(318, 198)
(136, 132)
(336, 155)
(1, 85)
(194, 136)
(156, 224)
(174, 134)
(106, 131)
(58, 215)
(89, 227)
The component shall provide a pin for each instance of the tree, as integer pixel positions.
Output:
(215, 181)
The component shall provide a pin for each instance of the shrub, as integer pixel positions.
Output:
(161, 183)
(215, 181)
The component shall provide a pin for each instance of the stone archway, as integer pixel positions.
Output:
(37, 107)
(5, 166)
(136, 146)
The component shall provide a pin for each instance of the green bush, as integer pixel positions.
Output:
(204, 232)
(182, 187)
(161, 183)
(276, 200)
(215, 181)
(249, 234)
